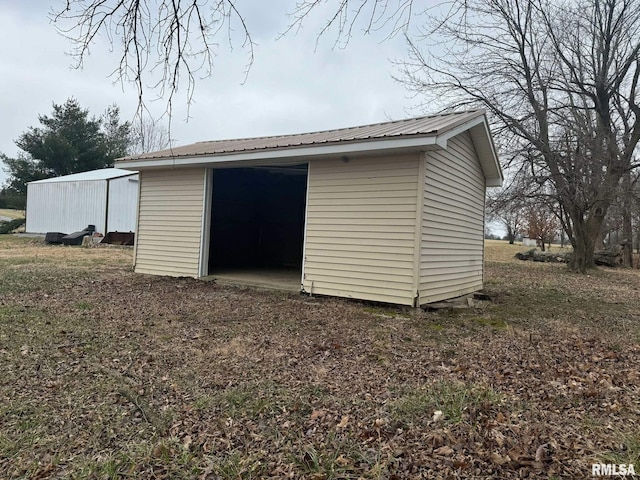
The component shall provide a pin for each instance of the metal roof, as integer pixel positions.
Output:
(428, 126)
(102, 174)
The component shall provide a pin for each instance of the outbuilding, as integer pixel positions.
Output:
(391, 212)
(106, 198)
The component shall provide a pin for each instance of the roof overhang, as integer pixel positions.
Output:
(485, 148)
(478, 128)
(289, 154)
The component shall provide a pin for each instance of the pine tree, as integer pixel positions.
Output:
(68, 141)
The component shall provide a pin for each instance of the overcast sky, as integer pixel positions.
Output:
(293, 86)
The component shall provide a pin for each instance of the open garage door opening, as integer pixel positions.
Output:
(257, 225)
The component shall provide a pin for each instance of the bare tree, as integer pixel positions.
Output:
(635, 209)
(560, 81)
(506, 206)
(542, 225)
(627, 221)
(149, 135)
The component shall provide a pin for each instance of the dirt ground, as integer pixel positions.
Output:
(110, 374)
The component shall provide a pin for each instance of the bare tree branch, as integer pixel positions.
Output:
(158, 41)
(559, 81)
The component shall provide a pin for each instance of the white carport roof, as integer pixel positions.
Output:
(101, 174)
(414, 134)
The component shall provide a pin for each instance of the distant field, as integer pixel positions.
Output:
(107, 374)
(13, 214)
(501, 251)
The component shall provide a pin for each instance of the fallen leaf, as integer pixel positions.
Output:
(437, 416)
(541, 452)
(498, 459)
(317, 414)
(445, 451)
(379, 422)
(342, 461)
(343, 422)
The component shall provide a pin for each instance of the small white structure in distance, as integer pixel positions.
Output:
(106, 198)
(529, 242)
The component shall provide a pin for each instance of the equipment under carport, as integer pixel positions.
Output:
(75, 238)
(54, 237)
(119, 238)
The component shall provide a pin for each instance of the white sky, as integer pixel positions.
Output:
(292, 86)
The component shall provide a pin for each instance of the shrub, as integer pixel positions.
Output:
(8, 227)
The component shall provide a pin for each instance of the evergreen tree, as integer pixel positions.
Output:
(68, 141)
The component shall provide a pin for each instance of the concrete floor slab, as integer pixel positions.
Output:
(277, 279)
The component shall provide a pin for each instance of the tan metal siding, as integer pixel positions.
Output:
(360, 229)
(451, 260)
(170, 222)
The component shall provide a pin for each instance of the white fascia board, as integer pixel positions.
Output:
(284, 153)
(493, 151)
(442, 139)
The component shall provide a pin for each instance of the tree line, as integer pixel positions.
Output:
(523, 209)
(71, 140)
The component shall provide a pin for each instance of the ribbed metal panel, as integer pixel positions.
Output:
(70, 203)
(123, 202)
(422, 126)
(66, 206)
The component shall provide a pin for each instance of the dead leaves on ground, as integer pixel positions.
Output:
(174, 378)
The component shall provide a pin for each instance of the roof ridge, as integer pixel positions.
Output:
(369, 125)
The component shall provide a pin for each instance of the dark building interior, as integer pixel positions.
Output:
(257, 218)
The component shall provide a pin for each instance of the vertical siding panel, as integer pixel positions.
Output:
(360, 228)
(123, 204)
(66, 206)
(171, 202)
(452, 250)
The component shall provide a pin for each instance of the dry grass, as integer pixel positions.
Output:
(501, 251)
(4, 212)
(108, 374)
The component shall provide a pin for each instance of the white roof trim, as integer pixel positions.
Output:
(493, 179)
(299, 153)
(101, 174)
(444, 138)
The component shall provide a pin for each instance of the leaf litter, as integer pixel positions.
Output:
(109, 374)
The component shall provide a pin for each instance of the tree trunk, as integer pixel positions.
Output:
(511, 235)
(627, 229)
(586, 234)
(582, 258)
